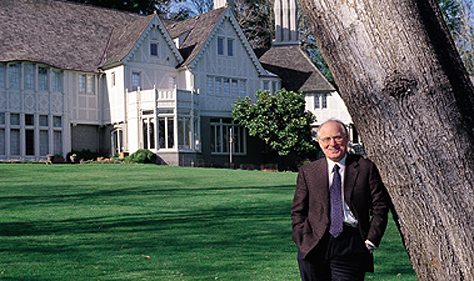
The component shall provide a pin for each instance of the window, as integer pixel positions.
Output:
(210, 85)
(82, 84)
(218, 86)
(15, 119)
(14, 75)
(320, 101)
(29, 120)
(113, 79)
(2, 76)
(90, 84)
(135, 80)
(29, 77)
(230, 47)
(43, 80)
(235, 88)
(57, 83)
(266, 85)
(58, 143)
(220, 46)
(166, 132)
(226, 87)
(15, 141)
(57, 121)
(148, 126)
(184, 133)
(117, 141)
(243, 88)
(44, 142)
(154, 49)
(226, 135)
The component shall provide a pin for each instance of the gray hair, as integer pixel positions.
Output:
(343, 127)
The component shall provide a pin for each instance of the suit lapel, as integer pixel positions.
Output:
(320, 181)
(350, 177)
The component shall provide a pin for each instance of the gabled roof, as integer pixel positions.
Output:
(124, 39)
(195, 31)
(198, 32)
(59, 33)
(295, 69)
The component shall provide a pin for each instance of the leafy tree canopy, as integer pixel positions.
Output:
(280, 120)
(138, 6)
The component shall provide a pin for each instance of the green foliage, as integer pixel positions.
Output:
(279, 119)
(85, 155)
(143, 156)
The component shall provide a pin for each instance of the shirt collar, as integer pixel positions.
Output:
(341, 163)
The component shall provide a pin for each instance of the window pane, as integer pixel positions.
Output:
(2, 76)
(29, 120)
(181, 133)
(44, 143)
(316, 101)
(2, 118)
(43, 120)
(170, 133)
(15, 119)
(135, 80)
(90, 85)
(145, 134)
(218, 86)
(161, 132)
(226, 87)
(29, 77)
(82, 84)
(57, 122)
(235, 88)
(57, 77)
(210, 85)
(14, 75)
(58, 147)
(188, 132)
(15, 142)
(30, 142)
(243, 88)
(324, 102)
(2, 142)
(220, 46)
(43, 79)
(230, 47)
(153, 49)
(151, 134)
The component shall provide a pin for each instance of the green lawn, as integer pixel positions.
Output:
(148, 222)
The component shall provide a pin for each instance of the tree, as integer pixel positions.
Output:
(279, 119)
(407, 90)
(138, 6)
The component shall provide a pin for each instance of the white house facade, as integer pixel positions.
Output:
(75, 77)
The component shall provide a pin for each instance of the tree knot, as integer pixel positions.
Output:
(398, 85)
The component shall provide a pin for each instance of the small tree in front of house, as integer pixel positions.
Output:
(280, 120)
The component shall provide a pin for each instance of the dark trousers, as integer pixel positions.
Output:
(344, 258)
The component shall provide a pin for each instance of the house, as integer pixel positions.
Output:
(75, 77)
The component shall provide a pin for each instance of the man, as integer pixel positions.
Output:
(339, 211)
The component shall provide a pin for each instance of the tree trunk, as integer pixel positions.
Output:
(410, 97)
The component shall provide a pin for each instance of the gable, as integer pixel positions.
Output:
(133, 43)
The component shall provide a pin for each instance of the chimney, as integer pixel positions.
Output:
(286, 22)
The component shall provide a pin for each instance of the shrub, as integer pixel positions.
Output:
(143, 156)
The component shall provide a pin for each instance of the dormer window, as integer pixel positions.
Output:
(220, 46)
(154, 49)
(230, 47)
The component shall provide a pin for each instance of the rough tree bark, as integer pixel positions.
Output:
(410, 97)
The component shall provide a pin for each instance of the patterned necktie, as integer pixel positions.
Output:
(337, 215)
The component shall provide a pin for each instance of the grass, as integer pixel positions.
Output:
(148, 222)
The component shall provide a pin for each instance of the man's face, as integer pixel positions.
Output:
(332, 141)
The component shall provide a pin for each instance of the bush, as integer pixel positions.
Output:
(143, 156)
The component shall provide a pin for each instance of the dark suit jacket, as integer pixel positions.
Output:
(364, 193)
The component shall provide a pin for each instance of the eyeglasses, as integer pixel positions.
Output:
(337, 139)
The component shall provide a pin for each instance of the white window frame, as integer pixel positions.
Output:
(220, 137)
